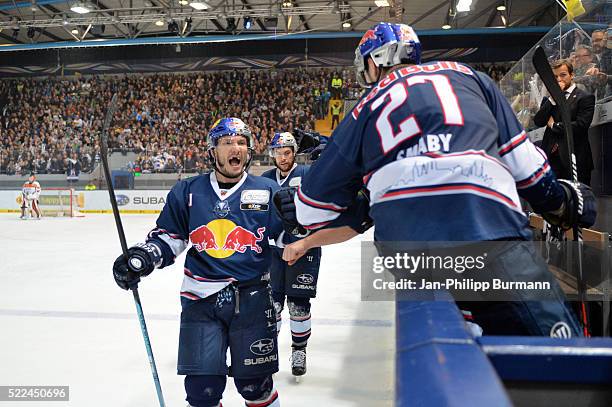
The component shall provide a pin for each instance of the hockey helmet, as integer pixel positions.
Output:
(388, 45)
(229, 126)
(281, 140)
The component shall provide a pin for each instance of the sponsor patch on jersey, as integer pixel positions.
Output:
(254, 207)
(295, 182)
(255, 196)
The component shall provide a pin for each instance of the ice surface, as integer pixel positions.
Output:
(65, 322)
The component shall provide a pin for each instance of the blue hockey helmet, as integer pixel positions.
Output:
(229, 126)
(388, 45)
(280, 140)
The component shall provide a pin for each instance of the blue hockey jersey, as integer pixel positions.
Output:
(442, 155)
(228, 231)
(293, 179)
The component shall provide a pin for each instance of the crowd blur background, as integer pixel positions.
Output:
(52, 125)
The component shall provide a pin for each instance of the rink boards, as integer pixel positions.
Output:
(438, 363)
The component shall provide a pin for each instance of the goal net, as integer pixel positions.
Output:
(61, 202)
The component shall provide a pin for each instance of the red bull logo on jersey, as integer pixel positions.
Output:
(221, 238)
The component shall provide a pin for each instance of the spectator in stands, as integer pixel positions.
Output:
(582, 107)
(336, 107)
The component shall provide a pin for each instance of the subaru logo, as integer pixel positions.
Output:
(305, 279)
(262, 347)
(122, 200)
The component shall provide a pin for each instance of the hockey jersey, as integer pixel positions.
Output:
(228, 231)
(31, 190)
(442, 155)
(293, 179)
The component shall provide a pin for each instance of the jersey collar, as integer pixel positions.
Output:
(278, 174)
(215, 185)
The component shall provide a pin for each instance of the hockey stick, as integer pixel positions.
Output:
(111, 191)
(542, 67)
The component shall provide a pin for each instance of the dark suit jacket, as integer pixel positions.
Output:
(582, 107)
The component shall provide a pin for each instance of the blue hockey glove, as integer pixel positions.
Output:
(579, 208)
(142, 260)
(285, 207)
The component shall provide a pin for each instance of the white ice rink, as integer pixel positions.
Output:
(65, 322)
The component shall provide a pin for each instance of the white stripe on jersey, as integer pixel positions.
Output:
(307, 208)
(522, 158)
(471, 172)
(201, 287)
(177, 245)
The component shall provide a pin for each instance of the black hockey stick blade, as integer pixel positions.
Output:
(566, 146)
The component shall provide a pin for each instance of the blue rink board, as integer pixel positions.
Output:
(438, 363)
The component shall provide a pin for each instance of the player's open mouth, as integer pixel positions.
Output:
(234, 161)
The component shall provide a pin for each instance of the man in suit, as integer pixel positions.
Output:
(582, 107)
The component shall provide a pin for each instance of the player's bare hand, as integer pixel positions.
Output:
(294, 251)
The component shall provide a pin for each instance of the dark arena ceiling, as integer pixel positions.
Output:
(54, 21)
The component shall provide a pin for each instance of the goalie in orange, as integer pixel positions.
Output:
(29, 198)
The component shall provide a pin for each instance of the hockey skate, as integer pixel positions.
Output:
(298, 363)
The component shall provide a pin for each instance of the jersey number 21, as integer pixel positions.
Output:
(409, 127)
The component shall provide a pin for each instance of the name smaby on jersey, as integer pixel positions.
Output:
(426, 144)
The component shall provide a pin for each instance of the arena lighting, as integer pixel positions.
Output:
(183, 2)
(75, 31)
(80, 8)
(464, 6)
(287, 4)
(247, 22)
(446, 26)
(381, 3)
(346, 24)
(198, 5)
(501, 7)
(159, 23)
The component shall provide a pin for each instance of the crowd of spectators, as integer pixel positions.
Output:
(50, 125)
(164, 118)
(495, 71)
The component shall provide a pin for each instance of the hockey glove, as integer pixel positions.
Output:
(142, 260)
(579, 208)
(285, 207)
(306, 140)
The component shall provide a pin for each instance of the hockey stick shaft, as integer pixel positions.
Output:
(111, 191)
(542, 67)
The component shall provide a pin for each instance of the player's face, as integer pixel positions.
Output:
(231, 154)
(371, 73)
(31, 179)
(564, 78)
(284, 158)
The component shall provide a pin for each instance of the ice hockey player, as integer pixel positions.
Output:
(298, 282)
(30, 193)
(444, 159)
(225, 297)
